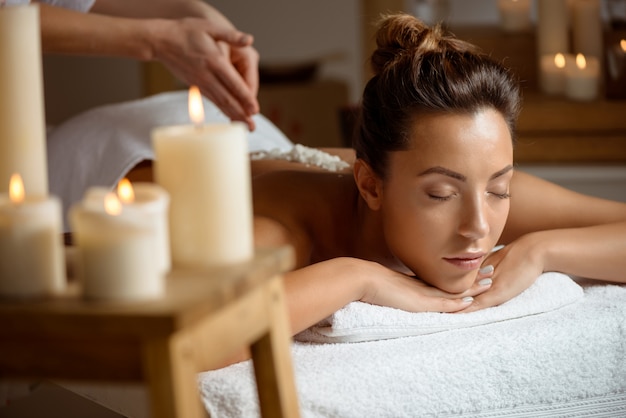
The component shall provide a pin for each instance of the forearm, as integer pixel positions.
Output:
(169, 9)
(316, 291)
(69, 32)
(596, 252)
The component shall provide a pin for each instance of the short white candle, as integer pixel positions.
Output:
(552, 73)
(147, 201)
(582, 79)
(115, 253)
(31, 252)
(206, 171)
(22, 120)
(514, 15)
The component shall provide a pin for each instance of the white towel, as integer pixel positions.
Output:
(360, 321)
(566, 362)
(98, 147)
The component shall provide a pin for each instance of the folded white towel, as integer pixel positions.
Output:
(360, 321)
(564, 363)
(98, 147)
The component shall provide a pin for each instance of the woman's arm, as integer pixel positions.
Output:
(193, 40)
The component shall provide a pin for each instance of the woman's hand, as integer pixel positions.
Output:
(390, 288)
(516, 267)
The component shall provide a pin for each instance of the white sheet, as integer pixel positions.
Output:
(566, 362)
(98, 147)
(360, 321)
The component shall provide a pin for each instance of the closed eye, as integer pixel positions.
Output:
(501, 195)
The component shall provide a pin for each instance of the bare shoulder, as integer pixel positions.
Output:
(287, 206)
(537, 205)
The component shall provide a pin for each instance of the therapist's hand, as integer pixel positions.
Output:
(219, 59)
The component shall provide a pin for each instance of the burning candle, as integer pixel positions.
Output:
(22, 121)
(115, 251)
(587, 28)
(206, 170)
(553, 69)
(552, 27)
(514, 15)
(582, 79)
(142, 200)
(31, 256)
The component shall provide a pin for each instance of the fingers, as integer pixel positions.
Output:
(233, 37)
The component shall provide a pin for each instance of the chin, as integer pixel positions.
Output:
(454, 286)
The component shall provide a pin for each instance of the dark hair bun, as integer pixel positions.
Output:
(402, 36)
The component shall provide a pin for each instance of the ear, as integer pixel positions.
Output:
(369, 184)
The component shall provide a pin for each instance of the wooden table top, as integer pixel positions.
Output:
(189, 297)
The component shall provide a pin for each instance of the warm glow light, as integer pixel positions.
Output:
(622, 44)
(112, 204)
(125, 191)
(196, 110)
(581, 62)
(559, 60)
(16, 189)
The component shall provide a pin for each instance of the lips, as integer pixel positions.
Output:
(470, 261)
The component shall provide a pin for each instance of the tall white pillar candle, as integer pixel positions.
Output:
(587, 28)
(582, 79)
(552, 27)
(22, 121)
(206, 171)
(31, 252)
(514, 15)
(148, 201)
(115, 253)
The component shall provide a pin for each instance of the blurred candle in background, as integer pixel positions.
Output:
(552, 74)
(514, 15)
(31, 252)
(587, 28)
(206, 171)
(552, 27)
(582, 79)
(22, 120)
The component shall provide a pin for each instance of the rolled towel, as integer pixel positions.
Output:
(359, 321)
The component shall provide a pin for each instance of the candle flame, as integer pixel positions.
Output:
(622, 44)
(125, 191)
(16, 189)
(112, 204)
(196, 110)
(559, 60)
(581, 62)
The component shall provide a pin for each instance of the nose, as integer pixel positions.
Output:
(474, 218)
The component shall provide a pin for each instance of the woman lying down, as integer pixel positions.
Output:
(431, 191)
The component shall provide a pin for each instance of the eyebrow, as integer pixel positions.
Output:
(458, 176)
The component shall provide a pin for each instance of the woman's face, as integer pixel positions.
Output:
(446, 199)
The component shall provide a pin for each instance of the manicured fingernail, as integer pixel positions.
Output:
(497, 248)
(486, 270)
(468, 299)
(485, 282)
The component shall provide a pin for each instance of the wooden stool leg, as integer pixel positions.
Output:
(272, 360)
(172, 379)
